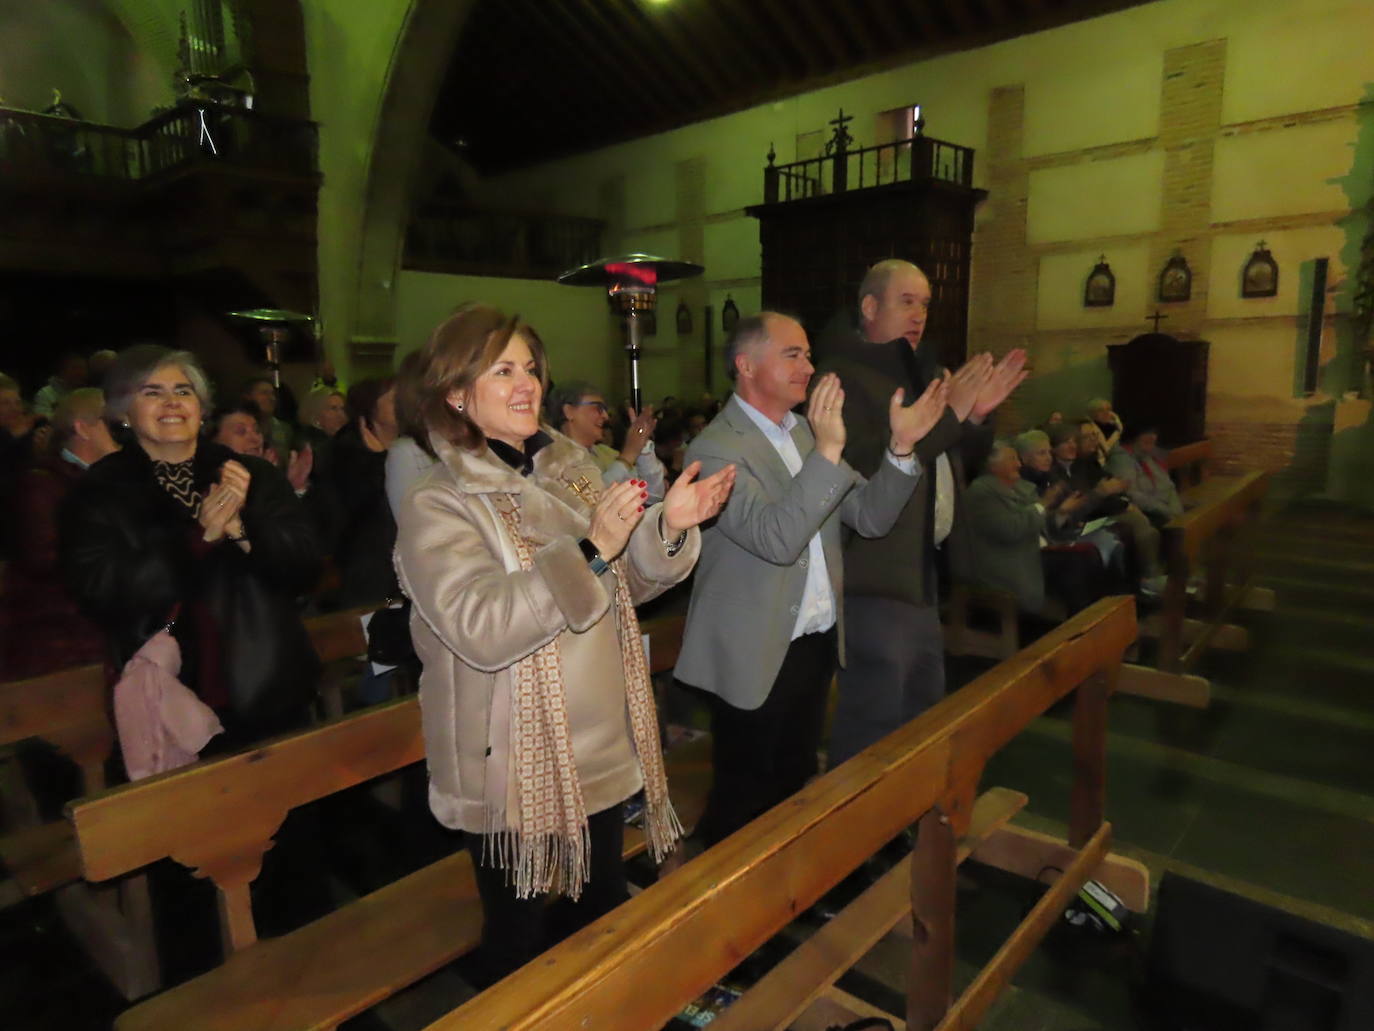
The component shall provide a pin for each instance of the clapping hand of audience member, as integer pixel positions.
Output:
(966, 384)
(1110, 485)
(910, 423)
(221, 508)
(298, 469)
(640, 433)
(825, 413)
(1073, 503)
(691, 502)
(1054, 494)
(1005, 377)
(616, 515)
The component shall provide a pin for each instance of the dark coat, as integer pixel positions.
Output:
(367, 529)
(41, 628)
(130, 553)
(901, 565)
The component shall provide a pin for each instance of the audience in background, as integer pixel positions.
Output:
(579, 410)
(71, 373)
(261, 394)
(367, 531)
(41, 628)
(1141, 466)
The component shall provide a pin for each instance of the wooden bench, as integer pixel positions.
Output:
(67, 710)
(1211, 536)
(227, 811)
(639, 965)
(1190, 464)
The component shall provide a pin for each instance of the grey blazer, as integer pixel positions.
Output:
(1006, 536)
(752, 572)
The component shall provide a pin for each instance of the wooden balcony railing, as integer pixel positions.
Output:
(918, 159)
(454, 238)
(39, 145)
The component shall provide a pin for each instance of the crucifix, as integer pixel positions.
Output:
(840, 139)
(1155, 318)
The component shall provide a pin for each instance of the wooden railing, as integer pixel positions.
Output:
(639, 965)
(455, 238)
(919, 159)
(37, 144)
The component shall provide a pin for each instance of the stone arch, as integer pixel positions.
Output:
(423, 49)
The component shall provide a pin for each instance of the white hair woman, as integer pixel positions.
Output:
(176, 527)
(523, 570)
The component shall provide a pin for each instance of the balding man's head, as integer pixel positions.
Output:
(893, 301)
(770, 359)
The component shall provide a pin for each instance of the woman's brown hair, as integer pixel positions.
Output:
(461, 348)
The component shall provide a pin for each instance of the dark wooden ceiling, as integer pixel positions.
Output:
(532, 80)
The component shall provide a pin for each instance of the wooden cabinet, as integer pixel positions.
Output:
(1162, 382)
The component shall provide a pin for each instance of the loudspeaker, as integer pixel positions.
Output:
(1222, 962)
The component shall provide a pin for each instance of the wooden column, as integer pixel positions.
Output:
(1087, 801)
(930, 987)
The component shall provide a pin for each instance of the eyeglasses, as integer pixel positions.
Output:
(599, 405)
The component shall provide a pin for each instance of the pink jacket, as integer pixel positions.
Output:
(160, 721)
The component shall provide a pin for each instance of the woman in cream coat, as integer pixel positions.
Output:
(523, 572)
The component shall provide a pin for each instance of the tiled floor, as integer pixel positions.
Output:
(1269, 792)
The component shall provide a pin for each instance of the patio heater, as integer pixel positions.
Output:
(631, 284)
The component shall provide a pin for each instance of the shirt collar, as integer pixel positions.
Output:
(771, 429)
(67, 456)
(521, 461)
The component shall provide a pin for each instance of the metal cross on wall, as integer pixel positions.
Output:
(840, 139)
(1155, 318)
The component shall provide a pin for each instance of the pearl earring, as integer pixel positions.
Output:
(458, 407)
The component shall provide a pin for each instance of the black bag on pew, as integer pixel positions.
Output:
(388, 635)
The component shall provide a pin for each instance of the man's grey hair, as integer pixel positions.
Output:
(1096, 403)
(749, 332)
(1027, 442)
(133, 367)
(875, 279)
(999, 446)
(567, 393)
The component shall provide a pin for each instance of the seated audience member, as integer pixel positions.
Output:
(261, 394)
(1011, 551)
(1106, 420)
(1065, 505)
(71, 374)
(579, 410)
(1128, 520)
(368, 531)
(1143, 467)
(41, 629)
(177, 528)
(238, 428)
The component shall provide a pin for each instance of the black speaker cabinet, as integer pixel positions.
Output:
(1222, 962)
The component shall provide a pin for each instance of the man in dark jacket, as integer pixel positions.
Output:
(895, 649)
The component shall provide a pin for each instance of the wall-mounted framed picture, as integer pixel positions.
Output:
(1176, 279)
(1100, 289)
(1260, 277)
(729, 314)
(684, 319)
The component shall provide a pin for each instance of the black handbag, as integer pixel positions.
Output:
(388, 635)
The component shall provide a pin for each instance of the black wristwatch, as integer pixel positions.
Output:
(598, 564)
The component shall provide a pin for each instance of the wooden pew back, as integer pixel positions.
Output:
(1190, 462)
(640, 964)
(218, 816)
(68, 710)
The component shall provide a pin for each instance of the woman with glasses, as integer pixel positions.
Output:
(579, 410)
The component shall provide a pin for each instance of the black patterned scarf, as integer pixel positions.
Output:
(179, 480)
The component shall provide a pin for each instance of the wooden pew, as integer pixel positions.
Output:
(68, 710)
(1209, 535)
(639, 965)
(226, 812)
(1190, 463)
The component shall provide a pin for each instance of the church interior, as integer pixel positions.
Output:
(1165, 203)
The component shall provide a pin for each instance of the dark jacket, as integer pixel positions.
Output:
(903, 564)
(1006, 526)
(41, 628)
(367, 534)
(130, 553)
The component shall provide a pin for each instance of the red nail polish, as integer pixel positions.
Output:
(644, 494)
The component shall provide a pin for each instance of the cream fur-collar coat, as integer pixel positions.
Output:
(475, 613)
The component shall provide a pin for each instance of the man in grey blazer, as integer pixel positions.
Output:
(765, 624)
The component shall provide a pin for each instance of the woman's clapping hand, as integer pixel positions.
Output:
(691, 501)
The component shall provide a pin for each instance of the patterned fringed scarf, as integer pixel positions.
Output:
(179, 480)
(550, 850)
